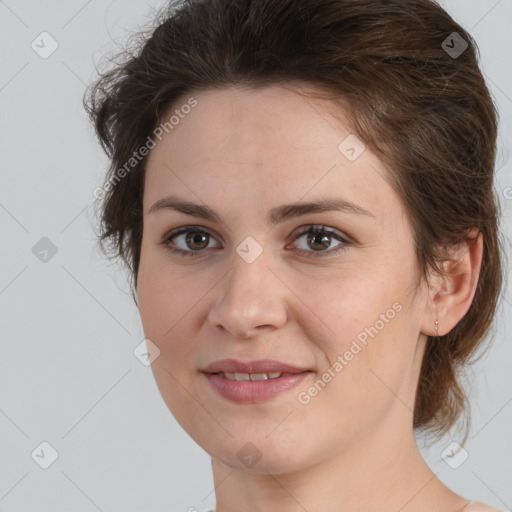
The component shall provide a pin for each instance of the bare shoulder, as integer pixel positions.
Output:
(480, 506)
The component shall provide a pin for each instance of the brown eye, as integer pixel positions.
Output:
(188, 241)
(319, 239)
(197, 240)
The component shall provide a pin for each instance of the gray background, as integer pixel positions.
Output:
(68, 374)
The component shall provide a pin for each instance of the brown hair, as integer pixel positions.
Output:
(413, 93)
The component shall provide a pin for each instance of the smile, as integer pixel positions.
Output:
(253, 387)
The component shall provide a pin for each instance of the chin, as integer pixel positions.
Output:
(258, 455)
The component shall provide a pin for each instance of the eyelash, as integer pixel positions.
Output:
(317, 229)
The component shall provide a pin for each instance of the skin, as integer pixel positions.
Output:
(242, 152)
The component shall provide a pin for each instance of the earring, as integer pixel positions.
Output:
(437, 323)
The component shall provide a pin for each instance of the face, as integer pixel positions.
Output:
(330, 290)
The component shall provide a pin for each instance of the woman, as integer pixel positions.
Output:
(303, 191)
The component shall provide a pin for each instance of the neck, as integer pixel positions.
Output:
(385, 473)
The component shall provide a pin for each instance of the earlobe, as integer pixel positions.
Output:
(451, 295)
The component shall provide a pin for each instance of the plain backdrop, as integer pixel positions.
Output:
(73, 395)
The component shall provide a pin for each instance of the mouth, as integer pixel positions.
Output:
(254, 367)
(255, 381)
(253, 376)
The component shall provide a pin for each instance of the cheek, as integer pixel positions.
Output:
(164, 296)
(165, 306)
(350, 307)
(172, 311)
(365, 341)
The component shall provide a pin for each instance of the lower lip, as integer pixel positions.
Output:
(248, 391)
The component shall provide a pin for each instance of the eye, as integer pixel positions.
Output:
(194, 241)
(192, 245)
(319, 239)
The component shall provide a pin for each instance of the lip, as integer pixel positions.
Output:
(256, 366)
(247, 391)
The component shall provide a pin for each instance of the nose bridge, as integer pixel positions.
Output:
(250, 297)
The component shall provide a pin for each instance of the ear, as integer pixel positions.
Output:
(450, 296)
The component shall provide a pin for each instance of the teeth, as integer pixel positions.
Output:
(252, 376)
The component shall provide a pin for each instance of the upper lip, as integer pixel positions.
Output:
(259, 366)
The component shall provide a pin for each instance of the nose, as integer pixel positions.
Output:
(251, 298)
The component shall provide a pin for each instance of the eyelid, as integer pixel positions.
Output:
(166, 239)
(345, 240)
(307, 228)
(342, 237)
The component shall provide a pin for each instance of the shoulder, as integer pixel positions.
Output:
(479, 506)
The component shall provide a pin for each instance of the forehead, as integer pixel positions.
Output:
(264, 145)
(271, 121)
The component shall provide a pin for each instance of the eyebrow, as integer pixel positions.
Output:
(275, 215)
